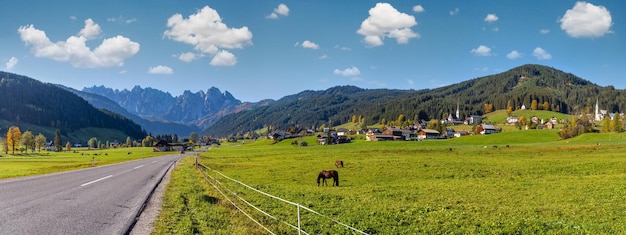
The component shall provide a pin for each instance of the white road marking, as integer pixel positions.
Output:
(154, 161)
(138, 167)
(103, 178)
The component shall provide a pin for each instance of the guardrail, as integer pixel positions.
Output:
(214, 180)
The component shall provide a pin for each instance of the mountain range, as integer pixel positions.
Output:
(219, 114)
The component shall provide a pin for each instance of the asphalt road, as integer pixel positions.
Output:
(98, 200)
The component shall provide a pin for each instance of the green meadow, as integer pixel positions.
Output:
(27, 164)
(539, 184)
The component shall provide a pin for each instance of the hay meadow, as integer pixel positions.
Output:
(539, 184)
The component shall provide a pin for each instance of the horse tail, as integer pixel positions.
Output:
(336, 178)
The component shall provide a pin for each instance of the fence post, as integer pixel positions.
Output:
(299, 228)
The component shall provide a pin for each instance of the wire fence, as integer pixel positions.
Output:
(284, 211)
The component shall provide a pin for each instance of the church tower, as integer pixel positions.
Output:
(457, 111)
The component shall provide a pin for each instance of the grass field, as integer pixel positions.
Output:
(475, 184)
(27, 164)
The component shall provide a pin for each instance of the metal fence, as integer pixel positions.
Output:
(234, 196)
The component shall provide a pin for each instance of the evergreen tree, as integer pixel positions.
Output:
(57, 140)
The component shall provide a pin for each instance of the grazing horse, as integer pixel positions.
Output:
(339, 163)
(327, 175)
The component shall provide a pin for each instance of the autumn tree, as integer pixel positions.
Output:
(546, 105)
(606, 125)
(193, 137)
(28, 140)
(488, 108)
(400, 118)
(40, 141)
(13, 138)
(92, 143)
(68, 146)
(533, 105)
(616, 124)
(147, 142)
(129, 142)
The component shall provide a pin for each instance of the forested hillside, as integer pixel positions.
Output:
(546, 88)
(26, 101)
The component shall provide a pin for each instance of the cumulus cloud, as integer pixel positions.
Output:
(544, 31)
(513, 55)
(224, 58)
(308, 44)
(111, 52)
(208, 34)
(282, 10)
(541, 54)
(454, 12)
(349, 72)
(187, 57)
(11, 63)
(160, 69)
(418, 9)
(387, 22)
(586, 20)
(481, 51)
(491, 18)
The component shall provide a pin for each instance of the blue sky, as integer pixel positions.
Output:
(268, 49)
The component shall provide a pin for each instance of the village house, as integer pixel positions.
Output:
(460, 133)
(375, 134)
(424, 134)
(512, 120)
(488, 129)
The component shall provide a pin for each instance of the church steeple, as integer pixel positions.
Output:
(457, 110)
(597, 112)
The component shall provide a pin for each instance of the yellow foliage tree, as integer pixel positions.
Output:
(13, 138)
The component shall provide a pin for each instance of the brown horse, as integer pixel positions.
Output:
(339, 163)
(327, 175)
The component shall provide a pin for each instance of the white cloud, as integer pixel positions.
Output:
(160, 69)
(111, 52)
(187, 57)
(308, 44)
(541, 54)
(343, 48)
(418, 8)
(282, 10)
(513, 55)
(208, 34)
(323, 57)
(454, 12)
(91, 30)
(410, 82)
(121, 19)
(349, 72)
(481, 51)
(491, 18)
(385, 21)
(544, 31)
(11, 63)
(586, 20)
(224, 58)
